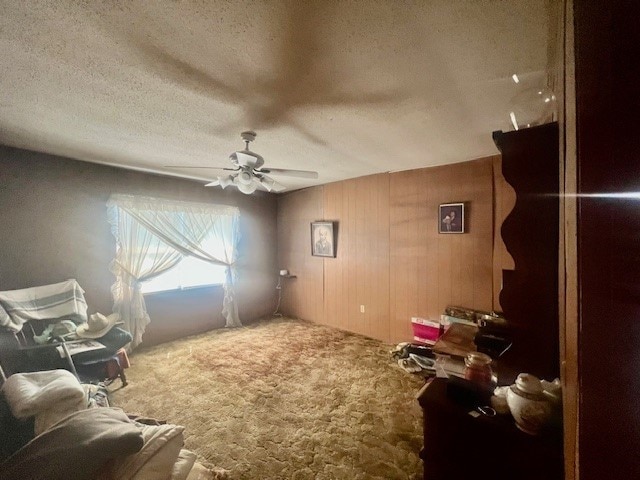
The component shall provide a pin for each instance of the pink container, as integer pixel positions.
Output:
(425, 331)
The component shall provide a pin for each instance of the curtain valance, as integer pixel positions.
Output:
(165, 204)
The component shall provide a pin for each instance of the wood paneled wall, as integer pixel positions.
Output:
(390, 257)
(303, 296)
(359, 275)
(430, 270)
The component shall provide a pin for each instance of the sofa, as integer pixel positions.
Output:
(53, 427)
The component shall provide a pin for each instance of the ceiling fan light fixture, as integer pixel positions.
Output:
(247, 189)
(248, 174)
(245, 178)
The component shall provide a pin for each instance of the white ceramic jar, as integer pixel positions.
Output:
(528, 404)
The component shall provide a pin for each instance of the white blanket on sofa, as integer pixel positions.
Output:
(55, 396)
(48, 396)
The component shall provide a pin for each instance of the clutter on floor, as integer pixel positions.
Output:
(414, 358)
(457, 344)
(73, 433)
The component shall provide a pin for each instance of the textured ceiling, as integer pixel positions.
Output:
(346, 88)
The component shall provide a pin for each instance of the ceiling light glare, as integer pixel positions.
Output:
(613, 195)
(515, 78)
(512, 116)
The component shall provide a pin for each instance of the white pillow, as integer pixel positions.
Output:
(184, 464)
(5, 319)
(200, 472)
(156, 459)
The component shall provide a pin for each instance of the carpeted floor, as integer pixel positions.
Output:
(284, 399)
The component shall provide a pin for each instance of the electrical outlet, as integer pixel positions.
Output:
(361, 308)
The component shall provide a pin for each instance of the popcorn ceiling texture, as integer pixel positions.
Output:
(347, 88)
(284, 399)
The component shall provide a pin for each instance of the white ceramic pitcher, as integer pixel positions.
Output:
(528, 404)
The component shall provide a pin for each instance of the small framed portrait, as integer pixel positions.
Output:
(451, 218)
(323, 240)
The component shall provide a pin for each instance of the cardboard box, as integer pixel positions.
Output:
(457, 341)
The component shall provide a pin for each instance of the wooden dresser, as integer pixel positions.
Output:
(459, 446)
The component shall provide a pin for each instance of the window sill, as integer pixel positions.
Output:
(182, 289)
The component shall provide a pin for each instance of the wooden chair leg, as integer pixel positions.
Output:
(123, 378)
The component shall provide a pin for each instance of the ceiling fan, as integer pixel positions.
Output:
(248, 173)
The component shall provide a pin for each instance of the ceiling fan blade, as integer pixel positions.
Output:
(290, 173)
(278, 187)
(271, 185)
(192, 166)
(221, 182)
(247, 159)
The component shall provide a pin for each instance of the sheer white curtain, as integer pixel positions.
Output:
(140, 256)
(172, 229)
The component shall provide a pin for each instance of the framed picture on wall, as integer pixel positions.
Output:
(323, 240)
(451, 218)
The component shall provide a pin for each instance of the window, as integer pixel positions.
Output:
(188, 273)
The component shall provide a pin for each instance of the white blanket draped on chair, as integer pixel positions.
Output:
(153, 235)
(59, 300)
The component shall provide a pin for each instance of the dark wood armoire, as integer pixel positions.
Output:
(456, 444)
(529, 295)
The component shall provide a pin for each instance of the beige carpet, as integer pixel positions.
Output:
(284, 399)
